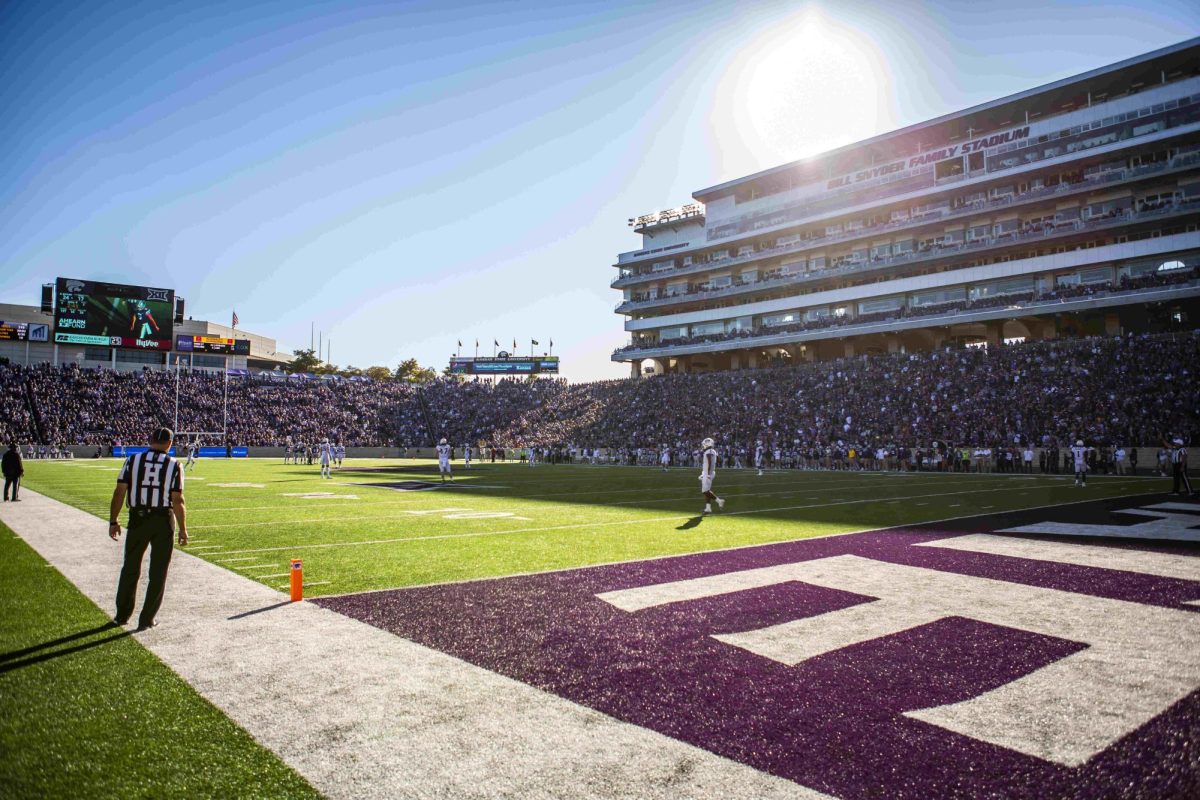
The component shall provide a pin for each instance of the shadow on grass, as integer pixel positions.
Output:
(15, 654)
(13, 661)
(691, 523)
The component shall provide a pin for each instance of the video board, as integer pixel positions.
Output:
(505, 365)
(218, 345)
(113, 315)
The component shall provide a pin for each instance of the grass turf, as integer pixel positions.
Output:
(356, 534)
(86, 711)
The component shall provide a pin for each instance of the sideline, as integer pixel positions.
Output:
(361, 713)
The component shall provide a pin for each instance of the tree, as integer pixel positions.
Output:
(378, 373)
(305, 361)
(410, 370)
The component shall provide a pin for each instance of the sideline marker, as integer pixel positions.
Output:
(297, 580)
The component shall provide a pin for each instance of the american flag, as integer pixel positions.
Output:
(235, 319)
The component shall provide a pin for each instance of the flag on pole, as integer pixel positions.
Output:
(535, 341)
(495, 343)
(235, 319)
(460, 342)
(514, 345)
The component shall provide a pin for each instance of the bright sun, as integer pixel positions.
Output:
(807, 86)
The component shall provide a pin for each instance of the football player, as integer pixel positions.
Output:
(664, 457)
(758, 456)
(443, 452)
(326, 458)
(708, 471)
(467, 455)
(1079, 454)
(142, 317)
(191, 458)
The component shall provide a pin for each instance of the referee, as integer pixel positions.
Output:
(1179, 469)
(152, 485)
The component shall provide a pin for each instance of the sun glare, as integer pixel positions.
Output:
(807, 86)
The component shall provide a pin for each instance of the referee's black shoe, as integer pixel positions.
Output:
(145, 626)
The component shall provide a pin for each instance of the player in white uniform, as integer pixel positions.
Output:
(443, 451)
(326, 459)
(532, 455)
(191, 459)
(1079, 454)
(664, 457)
(758, 457)
(340, 452)
(708, 471)
(467, 455)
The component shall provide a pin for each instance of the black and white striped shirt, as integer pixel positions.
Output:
(151, 477)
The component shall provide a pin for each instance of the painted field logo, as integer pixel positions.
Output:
(924, 662)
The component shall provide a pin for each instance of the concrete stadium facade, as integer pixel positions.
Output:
(1067, 209)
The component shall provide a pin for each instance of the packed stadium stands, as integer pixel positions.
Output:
(1118, 390)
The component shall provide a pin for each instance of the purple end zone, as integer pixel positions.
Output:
(834, 722)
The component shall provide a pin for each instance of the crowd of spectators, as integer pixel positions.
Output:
(74, 406)
(1008, 300)
(1109, 391)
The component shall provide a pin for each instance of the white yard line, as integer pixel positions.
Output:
(361, 713)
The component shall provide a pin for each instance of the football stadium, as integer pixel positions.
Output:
(896, 501)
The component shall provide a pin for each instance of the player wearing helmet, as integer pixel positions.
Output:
(326, 458)
(443, 451)
(1079, 454)
(708, 471)
(758, 457)
(664, 457)
(142, 320)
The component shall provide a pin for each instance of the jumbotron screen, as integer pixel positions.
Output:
(510, 365)
(212, 344)
(113, 315)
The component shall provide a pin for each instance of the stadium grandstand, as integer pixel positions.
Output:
(1131, 391)
(1070, 209)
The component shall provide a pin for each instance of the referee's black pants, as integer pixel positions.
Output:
(1182, 485)
(15, 483)
(156, 531)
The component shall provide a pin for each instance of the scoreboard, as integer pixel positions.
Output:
(504, 365)
(113, 315)
(212, 344)
(24, 332)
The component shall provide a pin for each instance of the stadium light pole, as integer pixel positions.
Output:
(176, 426)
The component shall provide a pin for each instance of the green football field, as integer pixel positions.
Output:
(380, 524)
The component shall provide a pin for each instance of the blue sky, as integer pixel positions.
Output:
(409, 174)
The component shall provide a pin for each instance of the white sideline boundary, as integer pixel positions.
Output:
(361, 713)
